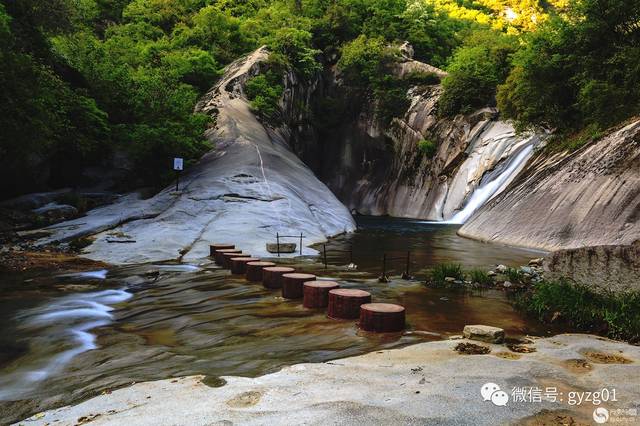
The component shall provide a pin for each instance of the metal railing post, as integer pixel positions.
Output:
(278, 243)
(324, 249)
(408, 262)
(384, 265)
(301, 244)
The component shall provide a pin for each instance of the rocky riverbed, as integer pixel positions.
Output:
(428, 383)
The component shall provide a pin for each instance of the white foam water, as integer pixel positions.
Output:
(67, 320)
(485, 192)
(91, 275)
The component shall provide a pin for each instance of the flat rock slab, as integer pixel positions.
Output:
(427, 383)
(281, 248)
(484, 333)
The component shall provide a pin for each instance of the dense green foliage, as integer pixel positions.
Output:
(86, 81)
(427, 147)
(264, 91)
(475, 70)
(614, 315)
(579, 71)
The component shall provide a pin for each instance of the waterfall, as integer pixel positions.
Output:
(488, 190)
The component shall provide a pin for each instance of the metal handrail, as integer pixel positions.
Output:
(278, 236)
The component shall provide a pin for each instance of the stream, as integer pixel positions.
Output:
(67, 338)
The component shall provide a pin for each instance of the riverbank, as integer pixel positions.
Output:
(423, 383)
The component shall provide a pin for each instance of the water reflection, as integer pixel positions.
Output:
(429, 244)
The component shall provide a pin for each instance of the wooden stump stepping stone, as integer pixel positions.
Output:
(226, 258)
(239, 264)
(219, 246)
(254, 270)
(381, 317)
(219, 252)
(272, 275)
(292, 284)
(344, 303)
(316, 293)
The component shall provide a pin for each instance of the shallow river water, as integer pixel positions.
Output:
(66, 338)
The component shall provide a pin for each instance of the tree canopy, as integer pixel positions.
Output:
(86, 80)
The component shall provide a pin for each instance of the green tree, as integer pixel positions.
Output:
(475, 71)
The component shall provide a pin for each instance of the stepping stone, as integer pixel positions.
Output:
(226, 258)
(254, 270)
(272, 275)
(484, 333)
(220, 259)
(316, 293)
(239, 264)
(382, 317)
(292, 284)
(344, 303)
(219, 246)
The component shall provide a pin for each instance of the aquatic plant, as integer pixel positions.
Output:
(514, 275)
(445, 270)
(480, 276)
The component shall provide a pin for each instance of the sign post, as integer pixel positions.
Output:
(178, 165)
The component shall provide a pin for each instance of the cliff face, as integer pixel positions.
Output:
(378, 169)
(250, 186)
(587, 198)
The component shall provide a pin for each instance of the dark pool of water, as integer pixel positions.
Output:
(67, 338)
(428, 244)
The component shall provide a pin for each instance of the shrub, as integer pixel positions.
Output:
(427, 147)
(419, 78)
(614, 315)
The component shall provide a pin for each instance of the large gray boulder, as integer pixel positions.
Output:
(244, 191)
(601, 268)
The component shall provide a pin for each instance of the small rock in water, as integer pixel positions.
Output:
(484, 333)
(457, 282)
(506, 284)
(526, 270)
(449, 279)
(501, 269)
(491, 273)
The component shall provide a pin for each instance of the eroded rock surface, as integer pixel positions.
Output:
(246, 189)
(427, 383)
(587, 198)
(601, 268)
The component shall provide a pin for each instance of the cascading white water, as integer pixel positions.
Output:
(485, 192)
(63, 327)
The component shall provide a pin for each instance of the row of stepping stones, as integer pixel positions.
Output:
(341, 303)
